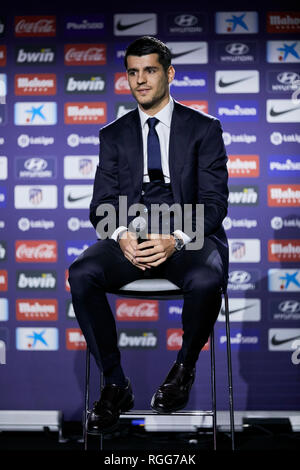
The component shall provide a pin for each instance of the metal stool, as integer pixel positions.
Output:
(162, 289)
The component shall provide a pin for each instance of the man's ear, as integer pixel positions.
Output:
(171, 73)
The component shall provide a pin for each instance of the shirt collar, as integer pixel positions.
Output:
(164, 115)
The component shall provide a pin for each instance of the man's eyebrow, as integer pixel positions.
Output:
(145, 68)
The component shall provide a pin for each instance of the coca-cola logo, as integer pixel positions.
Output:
(174, 339)
(121, 84)
(136, 310)
(36, 251)
(35, 26)
(85, 54)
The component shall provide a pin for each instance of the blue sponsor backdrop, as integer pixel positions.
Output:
(61, 80)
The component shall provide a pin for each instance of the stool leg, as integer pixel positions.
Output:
(213, 386)
(229, 368)
(101, 387)
(87, 396)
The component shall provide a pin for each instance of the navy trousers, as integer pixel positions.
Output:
(103, 267)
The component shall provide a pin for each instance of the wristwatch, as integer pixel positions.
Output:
(179, 243)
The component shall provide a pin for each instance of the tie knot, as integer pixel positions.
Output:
(152, 122)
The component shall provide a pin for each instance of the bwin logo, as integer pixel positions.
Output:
(186, 20)
(288, 78)
(236, 48)
(35, 164)
(289, 306)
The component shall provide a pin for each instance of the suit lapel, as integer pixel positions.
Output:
(176, 150)
(134, 150)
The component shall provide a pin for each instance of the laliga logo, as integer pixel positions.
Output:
(296, 353)
(296, 93)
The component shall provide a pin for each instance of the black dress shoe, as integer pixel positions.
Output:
(173, 394)
(104, 417)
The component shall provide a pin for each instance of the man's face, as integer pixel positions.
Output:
(148, 81)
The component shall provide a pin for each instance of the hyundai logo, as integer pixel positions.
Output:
(237, 48)
(289, 306)
(239, 277)
(186, 20)
(288, 78)
(35, 164)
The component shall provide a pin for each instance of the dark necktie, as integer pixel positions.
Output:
(154, 156)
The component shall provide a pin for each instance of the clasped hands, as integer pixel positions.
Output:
(150, 253)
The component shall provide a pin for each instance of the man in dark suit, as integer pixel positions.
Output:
(161, 152)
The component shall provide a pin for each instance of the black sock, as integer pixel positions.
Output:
(115, 376)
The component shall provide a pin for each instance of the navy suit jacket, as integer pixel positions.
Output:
(197, 164)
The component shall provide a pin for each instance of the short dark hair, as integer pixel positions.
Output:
(149, 45)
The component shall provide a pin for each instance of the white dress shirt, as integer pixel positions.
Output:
(163, 128)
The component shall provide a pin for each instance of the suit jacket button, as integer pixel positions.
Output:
(143, 192)
(145, 209)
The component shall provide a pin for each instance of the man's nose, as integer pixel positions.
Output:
(141, 78)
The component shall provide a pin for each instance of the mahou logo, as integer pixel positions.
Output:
(243, 166)
(136, 310)
(85, 54)
(85, 113)
(2, 56)
(36, 309)
(284, 250)
(3, 280)
(31, 84)
(38, 26)
(197, 105)
(284, 195)
(121, 84)
(75, 339)
(36, 251)
(283, 22)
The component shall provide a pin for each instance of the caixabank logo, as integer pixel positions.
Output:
(284, 280)
(236, 22)
(35, 113)
(283, 52)
(36, 339)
